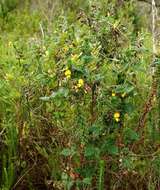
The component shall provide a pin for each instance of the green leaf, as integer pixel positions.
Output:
(130, 135)
(87, 59)
(113, 150)
(87, 180)
(95, 130)
(129, 108)
(62, 92)
(91, 151)
(124, 89)
(109, 147)
(45, 98)
(68, 151)
(128, 163)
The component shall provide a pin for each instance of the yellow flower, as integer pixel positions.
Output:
(68, 73)
(123, 95)
(117, 116)
(117, 119)
(113, 94)
(80, 83)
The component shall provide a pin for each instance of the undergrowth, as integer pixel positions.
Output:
(73, 83)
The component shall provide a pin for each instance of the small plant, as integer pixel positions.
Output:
(72, 96)
(6, 6)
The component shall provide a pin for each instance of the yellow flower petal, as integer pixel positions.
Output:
(80, 83)
(123, 95)
(68, 73)
(116, 115)
(117, 119)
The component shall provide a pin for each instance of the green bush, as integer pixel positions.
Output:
(71, 95)
(7, 6)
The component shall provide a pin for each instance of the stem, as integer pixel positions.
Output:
(149, 103)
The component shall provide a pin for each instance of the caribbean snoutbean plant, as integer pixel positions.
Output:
(72, 92)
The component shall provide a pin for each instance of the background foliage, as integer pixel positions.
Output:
(75, 77)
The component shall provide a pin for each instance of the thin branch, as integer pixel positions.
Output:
(149, 103)
(22, 177)
(42, 31)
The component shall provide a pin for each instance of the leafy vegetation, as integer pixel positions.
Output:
(79, 106)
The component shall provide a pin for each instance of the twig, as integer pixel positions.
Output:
(21, 178)
(42, 31)
(149, 103)
(1, 133)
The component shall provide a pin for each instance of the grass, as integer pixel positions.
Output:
(77, 106)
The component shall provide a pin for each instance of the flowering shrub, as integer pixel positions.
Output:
(72, 93)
